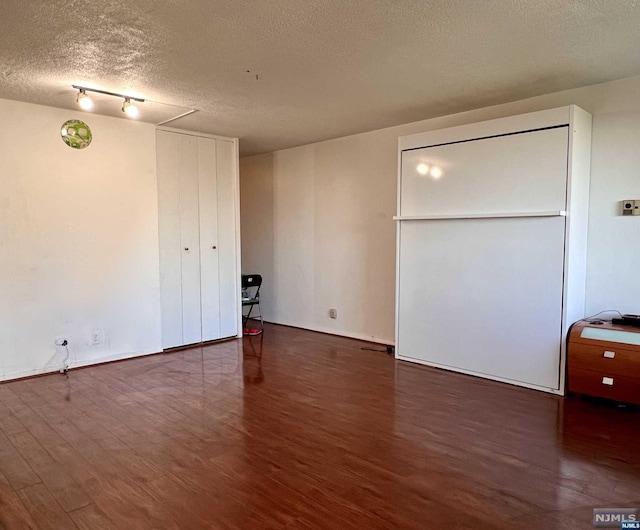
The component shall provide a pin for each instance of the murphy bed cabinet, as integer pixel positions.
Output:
(491, 245)
(198, 202)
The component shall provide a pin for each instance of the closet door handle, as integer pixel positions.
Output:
(186, 248)
(214, 247)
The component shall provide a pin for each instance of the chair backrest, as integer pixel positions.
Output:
(252, 280)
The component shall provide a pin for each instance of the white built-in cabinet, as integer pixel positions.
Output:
(198, 202)
(492, 231)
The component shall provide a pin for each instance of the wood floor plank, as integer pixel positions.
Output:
(112, 487)
(123, 500)
(86, 431)
(31, 450)
(9, 424)
(44, 509)
(196, 509)
(14, 466)
(13, 513)
(28, 417)
(55, 476)
(91, 518)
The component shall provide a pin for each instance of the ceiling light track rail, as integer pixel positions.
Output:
(107, 93)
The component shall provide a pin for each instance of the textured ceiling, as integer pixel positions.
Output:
(325, 68)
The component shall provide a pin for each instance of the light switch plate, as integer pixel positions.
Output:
(636, 207)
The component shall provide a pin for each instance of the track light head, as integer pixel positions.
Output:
(84, 100)
(129, 108)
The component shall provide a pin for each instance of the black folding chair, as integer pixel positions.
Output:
(251, 297)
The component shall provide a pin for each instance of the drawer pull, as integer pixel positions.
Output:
(610, 354)
(607, 381)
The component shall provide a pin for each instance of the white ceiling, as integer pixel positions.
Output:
(325, 68)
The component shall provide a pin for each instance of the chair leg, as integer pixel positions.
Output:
(261, 322)
(246, 317)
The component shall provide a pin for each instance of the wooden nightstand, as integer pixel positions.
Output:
(604, 361)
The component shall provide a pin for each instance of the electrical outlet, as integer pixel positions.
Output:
(333, 313)
(95, 336)
(630, 206)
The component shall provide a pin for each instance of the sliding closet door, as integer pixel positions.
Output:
(209, 268)
(227, 201)
(170, 240)
(190, 239)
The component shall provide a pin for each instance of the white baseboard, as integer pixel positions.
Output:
(339, 333)
(110, 358)
(25, 373)
(76, 364)
(481, 375)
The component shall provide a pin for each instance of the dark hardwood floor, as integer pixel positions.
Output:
(294, 429)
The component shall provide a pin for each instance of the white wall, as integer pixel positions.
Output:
(322, 234)
(78, 240)
(258, 250)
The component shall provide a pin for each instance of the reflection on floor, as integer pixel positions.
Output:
(295, 429)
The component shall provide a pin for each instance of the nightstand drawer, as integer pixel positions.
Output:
(606, 359)
(607, 385)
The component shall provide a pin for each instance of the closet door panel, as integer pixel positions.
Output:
(170, 238)
(208, 201)
(190, 240)
(229, 291)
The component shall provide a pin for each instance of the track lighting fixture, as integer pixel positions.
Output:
(128, 107)
(83, 100)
